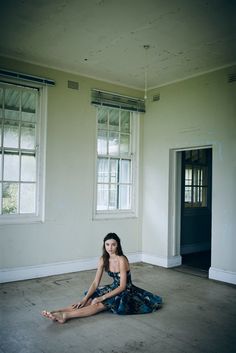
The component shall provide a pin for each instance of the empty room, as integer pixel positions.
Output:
(117, 159)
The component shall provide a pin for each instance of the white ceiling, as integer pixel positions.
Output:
(105, 39)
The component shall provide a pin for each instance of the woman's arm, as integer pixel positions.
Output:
(93, 286)
(124, 267)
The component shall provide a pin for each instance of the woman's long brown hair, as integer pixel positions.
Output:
(105, 254)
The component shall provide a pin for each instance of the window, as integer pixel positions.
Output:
(196, 180)
(21, 162)
(116, 160)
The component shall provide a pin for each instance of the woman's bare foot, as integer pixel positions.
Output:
(59, 316)
(47, 314)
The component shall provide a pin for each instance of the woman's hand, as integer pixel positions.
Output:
(80, 304)
(97, 300)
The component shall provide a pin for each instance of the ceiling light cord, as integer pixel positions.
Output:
(146, 47)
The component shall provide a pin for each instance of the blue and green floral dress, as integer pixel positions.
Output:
(132, 300)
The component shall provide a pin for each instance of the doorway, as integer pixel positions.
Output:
(196, 190)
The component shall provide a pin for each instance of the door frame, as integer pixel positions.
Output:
(174, 216)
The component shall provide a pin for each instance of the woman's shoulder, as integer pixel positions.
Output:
(101, 262)
(123, 260)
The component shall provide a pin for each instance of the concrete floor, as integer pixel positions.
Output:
(198, 315)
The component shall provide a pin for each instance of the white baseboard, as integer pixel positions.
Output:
(222, 275)
(162, 261)
(30, 272)
(196, 247)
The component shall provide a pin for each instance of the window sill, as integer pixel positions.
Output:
(111, 215)
(20, 219)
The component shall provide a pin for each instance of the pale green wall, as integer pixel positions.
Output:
(196, 112)
(68, 233)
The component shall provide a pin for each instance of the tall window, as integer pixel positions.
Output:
(116, 157)
(20, 186)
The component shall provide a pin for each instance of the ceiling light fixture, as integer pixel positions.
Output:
(146, 47)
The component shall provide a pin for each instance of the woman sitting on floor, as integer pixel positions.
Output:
(120, 297)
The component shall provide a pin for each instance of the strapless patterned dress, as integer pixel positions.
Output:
(133, 300)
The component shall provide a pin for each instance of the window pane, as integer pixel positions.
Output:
(102, 142)
(114, 163)
(1, 102)
(125, 171)
(102, 118)
(204, 196)
(28, 106)
(28, 167)
(11, 166)
(202, 156)
(1, 132)
(113, 143)
(1, 198)
(113, 197)
(12, 103)
(0, 168)
(204, 176)
(10, 198)
(197, 176)
(188, 176)
(28, 136)
(103, 170)
(27, 198)
(114, 119)
(124, 144)
(188, 156)
(125, 197)
(125, 121)
(11, 134)
(188, 195)
(194, 155)
(102, 196)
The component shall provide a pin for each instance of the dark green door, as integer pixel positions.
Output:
(196, 207)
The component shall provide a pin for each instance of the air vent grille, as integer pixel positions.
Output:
(73, 85)
(232, 78)
(156, 97)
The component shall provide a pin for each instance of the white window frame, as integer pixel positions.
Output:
(39, 216)
(133, 212)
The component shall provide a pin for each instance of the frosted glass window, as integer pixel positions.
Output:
(124, 144)
(113, 143)
(115, 155)
(114, 120)
(27, 198)
(11, 166)
(125, 197)
(102, 142)
(11, 134)
(125, 171)
(125, 121)
(102, 196)
(28, 168)
(10, 198)
(103, 170)
(20, 189)
(27, 136)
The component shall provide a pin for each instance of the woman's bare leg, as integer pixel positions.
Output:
(48, 314)
(89, 310)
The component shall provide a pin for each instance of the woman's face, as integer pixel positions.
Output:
(111, 246)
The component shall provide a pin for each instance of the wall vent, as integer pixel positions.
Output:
(73, 85)
(156, 97)
(232, 77)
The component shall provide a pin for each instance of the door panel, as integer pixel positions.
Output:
(196, 201)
